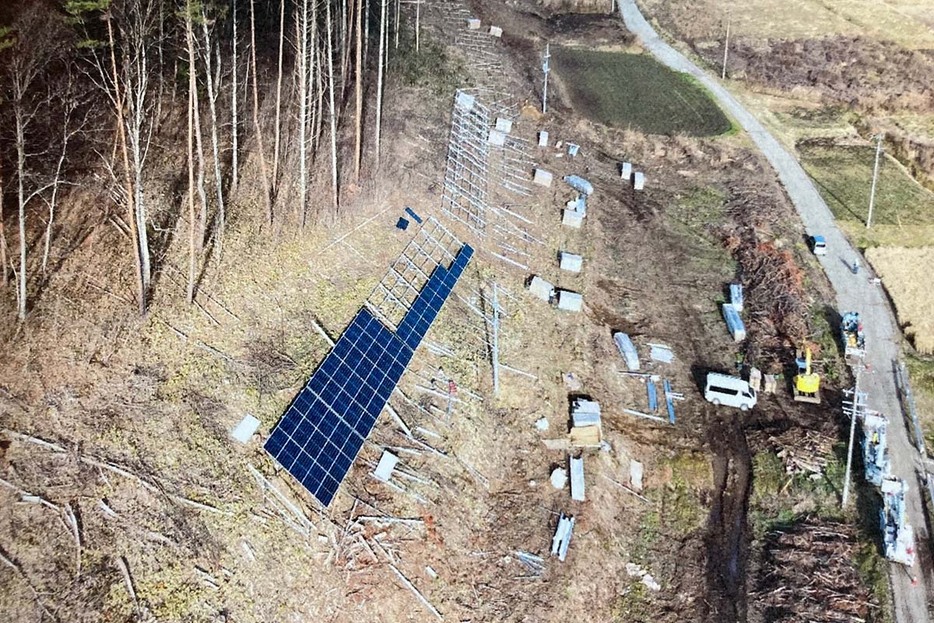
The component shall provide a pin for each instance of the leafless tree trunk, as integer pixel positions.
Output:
(234, 100)
(396, 22)
(137, 72)
(192, 86)
(278, 128)
(304, 82)
(20, 114)
(358, 135)
(267, 193)
(383, 40)
(213, 90)
(366, 31)
(333, 114)
(117, 100)
(4, 256)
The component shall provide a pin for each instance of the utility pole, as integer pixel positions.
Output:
(875, 176)
(726, 46)
(546, 67)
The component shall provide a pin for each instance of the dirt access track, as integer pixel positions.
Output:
(124, 497)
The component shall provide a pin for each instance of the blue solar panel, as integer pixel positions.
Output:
(326, 424)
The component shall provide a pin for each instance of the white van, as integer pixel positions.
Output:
(730, 391)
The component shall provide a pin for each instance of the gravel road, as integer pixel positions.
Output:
(853, 292)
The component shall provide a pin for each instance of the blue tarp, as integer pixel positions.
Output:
(579, 184)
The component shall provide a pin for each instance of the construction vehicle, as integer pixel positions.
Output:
(851, 332)
(898, 536)
(875, 450)
(806, 386)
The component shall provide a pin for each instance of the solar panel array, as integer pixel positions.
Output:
(324, 428)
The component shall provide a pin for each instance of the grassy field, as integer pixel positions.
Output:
(908, 22)
(921, 372)
(902, 271)
(619, 89)
(904, 211)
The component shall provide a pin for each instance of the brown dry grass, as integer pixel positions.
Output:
(904, 21)
(903, 273)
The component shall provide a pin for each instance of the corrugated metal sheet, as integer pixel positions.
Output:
(579, 184)
(736, 296)
(585, 412)
(627, 350)
(562, 539)
(577, 479)
(734, 323)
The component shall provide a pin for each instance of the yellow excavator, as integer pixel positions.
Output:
(806, 383)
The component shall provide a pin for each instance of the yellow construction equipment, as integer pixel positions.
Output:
(806, 382)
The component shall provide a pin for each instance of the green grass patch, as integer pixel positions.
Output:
(619, 89)
(843, 176)
(692, 218)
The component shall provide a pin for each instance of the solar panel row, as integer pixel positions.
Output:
(324, 428)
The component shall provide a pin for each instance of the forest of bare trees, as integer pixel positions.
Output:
(187, 115)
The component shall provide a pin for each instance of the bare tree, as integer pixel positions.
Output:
(129, 30)
(267, 193)
(277, 131)
(32, 49)
(234, 100)
(213, 89)
(4, 253)
(383, 40)
(305, 69)
(71, 100)
(358, 133)
(333, 115)
(192, 88)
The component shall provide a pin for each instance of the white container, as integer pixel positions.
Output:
(543, 138)
(572, 218)
(504, 125)
(625, 171)
(473, 24)
(638, 180)
(245, 429)
(496, 31)
(497, 138)
(570, 301)
(542, 178)
(541, 289)
(571, 262)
